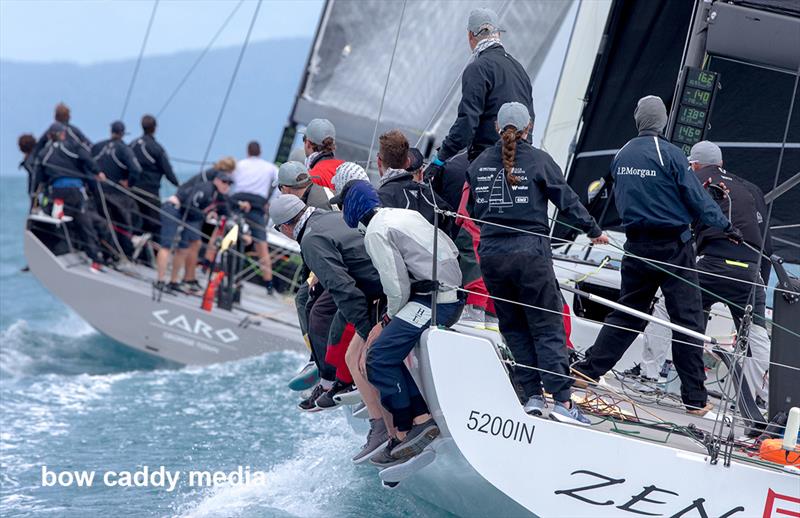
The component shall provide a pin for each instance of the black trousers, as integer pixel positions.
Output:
(151, 215)
(125, 216)
(640, 281)
(731, 290)
(535, 337)
(81, 226)
(320, 318)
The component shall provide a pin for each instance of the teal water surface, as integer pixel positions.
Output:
(72, 399)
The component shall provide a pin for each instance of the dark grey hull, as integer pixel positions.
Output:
(121, 306)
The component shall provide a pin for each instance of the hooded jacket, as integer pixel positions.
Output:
(399, 190)
(655, 189)
(336, 255)
(400, 244)
(117, 161)
(317, 196)
(198, 198)
(64, 159)
(490, 80)
(154, 162)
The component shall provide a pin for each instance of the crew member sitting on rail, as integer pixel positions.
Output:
(511, 184)
(400, 244)
(319, 143)
(155, 164)
(727, 270)
(65, 166)
(27, 143)
(657, 198)
(336, 253)
(185, 212)
(119, 164)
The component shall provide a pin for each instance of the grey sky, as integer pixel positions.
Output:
(88, 31)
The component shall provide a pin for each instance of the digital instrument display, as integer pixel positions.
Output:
(694, 108)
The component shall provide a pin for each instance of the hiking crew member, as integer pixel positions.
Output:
(27, 143)
(726, 261)
(657, 198)
(492, 78)
(400, 244)
(155, 164)
(119, 164)
(510, 184)
(345, 173)
(65, 166)
(62, 115)
(397, 165)
(346, 273)
(252, 190)
(319, 143)
(187, 208)
(294, 178)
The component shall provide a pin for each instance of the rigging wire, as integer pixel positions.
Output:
(386, 85)
(139, 59)
(198, 60)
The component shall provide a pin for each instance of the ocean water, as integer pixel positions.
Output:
(72, 399)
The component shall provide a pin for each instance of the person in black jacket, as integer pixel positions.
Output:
(155, 164)
(658, 198)
(490, 80)
(185, 211)
(119, 164)
(65, 167)
(511, 184)
(62, 115)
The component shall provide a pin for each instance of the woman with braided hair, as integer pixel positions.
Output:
(510, 185)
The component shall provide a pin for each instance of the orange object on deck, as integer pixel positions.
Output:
(772, 450)
(211, 290)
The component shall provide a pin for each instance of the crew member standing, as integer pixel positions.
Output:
(155, 164)
(657, 198)
(511, 184)
(319, 143)
(491, 79)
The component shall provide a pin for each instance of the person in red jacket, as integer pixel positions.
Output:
(319, 143)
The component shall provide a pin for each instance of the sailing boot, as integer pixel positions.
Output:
(377, 438)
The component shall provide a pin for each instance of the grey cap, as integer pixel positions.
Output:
(285, 208)
(513, 114)
(293, 174)
(320, 129)
(706, 153)
(650, 114)
(483, 19)
(297, 155)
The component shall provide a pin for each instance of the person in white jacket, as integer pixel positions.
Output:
(400, 244)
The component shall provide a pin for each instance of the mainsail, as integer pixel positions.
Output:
(349, 62)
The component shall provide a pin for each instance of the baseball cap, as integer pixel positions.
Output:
(320, 129)
(513, 114)
(293, 174)
(346, 172)
(416, 160)
(118, 127)
(285, 208)
(706, 153)
(56, 127)
(482, 19)
(297, 155)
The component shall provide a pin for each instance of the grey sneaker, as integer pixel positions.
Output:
(416, 439)
(571, 415)
(376, 440)
(535, 406)
(384, 457)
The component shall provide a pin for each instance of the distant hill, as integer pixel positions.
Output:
(258, 107)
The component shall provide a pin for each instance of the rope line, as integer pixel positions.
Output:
(139, 60)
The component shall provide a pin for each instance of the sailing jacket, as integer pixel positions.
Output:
(400, 191)
(492, 79)
(654, 188)
(322, 168)
(317, 196)
(198, 198)
(524, 205)
(400, 244)
(336, 255)
(744, 205)
(64, 159)
(73, 134)
(117, 161)
(154, 162)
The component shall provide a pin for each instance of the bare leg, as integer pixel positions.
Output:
(162, 261)
(191, 261)
(262, 249)
(369, 394)
(177, 262)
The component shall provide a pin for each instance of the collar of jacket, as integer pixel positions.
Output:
(486, 44)
(650, 133)
(393, 174)
(317, 157)
(300, 228)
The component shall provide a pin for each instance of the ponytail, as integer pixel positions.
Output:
(510, 136)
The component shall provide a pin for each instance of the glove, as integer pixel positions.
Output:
(435, 168)
(734, 234)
